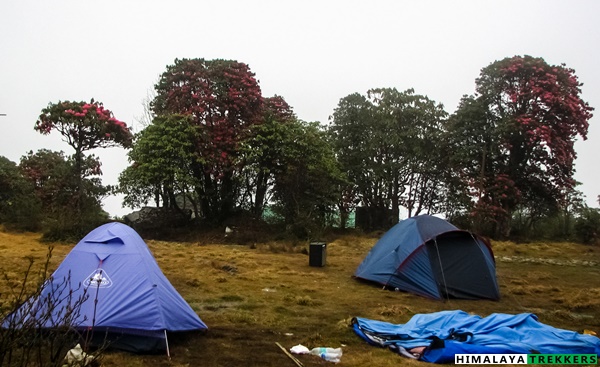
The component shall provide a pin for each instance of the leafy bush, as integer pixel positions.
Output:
(587, 226)
(19, 208)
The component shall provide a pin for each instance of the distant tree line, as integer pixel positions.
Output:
(502, 164)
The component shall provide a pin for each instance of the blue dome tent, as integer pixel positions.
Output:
(430, 257)
(136, 304)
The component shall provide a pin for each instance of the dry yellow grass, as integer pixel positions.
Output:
(254, 296)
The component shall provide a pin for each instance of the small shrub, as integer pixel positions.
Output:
(304, 301)
(587, 226)
(242, 317)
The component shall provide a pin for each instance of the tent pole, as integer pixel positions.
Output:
(441, 268)
(167, 342)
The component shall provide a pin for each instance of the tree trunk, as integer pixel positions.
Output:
(227, 197)
(157, 197)
(79, 183)
(261, 192)
(395, 215)
(343, 216)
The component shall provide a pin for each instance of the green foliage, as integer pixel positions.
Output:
(548, 223)
(52, 176)
(350, 133)
(587, 226)
(38, 195)
(72, 225)
(19, 207)
(163, 160)
(306, 186)
(55, 185)
(263, 153)
(388, 144)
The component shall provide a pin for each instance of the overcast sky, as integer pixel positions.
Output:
(313, 53)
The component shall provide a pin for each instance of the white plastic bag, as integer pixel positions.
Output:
(77, 357)
(299, 349)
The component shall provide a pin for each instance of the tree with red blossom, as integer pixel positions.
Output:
(514, 139)
(223, 99)
(84, 126)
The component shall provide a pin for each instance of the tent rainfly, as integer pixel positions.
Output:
(126, 297)
(430, 257)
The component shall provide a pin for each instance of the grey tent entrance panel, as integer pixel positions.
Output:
(460, 267)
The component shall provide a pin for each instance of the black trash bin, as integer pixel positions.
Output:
(317, 254)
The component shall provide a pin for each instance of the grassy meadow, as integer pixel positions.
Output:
(256, 294)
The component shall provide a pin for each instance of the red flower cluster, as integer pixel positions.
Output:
(84, 125)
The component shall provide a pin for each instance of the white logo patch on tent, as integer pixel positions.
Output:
(99, 278)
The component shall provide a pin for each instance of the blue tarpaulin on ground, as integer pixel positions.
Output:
(447, 333)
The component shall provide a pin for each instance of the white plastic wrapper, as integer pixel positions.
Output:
(299, 349)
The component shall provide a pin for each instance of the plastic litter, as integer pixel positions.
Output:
(77, 357)
(299, 349)
(329, 354)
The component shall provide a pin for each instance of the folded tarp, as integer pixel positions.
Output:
(447, 333)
